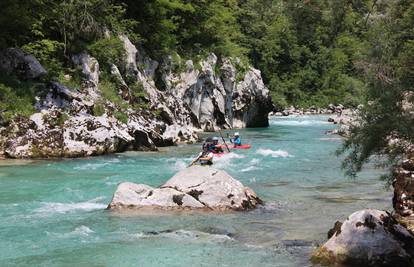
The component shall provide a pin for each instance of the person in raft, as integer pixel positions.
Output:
(236, 139)
(204, 158)
(215, 147)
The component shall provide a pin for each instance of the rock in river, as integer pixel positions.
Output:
(197, 187)
(367, 238)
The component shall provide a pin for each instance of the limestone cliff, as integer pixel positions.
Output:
(160, 104)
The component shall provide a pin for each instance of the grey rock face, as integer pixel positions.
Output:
(26, 66)
(251, 101)
(218, 100)
(367, 238)
(81, 121)
(193, 188)
(90, 68)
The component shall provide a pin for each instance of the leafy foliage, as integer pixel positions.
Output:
(387, 113)
(98, 109)
(107, 50)
(121, 116)
(48, 52)
(16, 97)
(109, 90)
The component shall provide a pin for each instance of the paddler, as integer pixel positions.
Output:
(236, 139)
(204, 158)
(215, 147)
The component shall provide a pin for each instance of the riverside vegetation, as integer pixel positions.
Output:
(309, 52)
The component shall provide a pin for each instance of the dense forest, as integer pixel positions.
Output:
(308, 51)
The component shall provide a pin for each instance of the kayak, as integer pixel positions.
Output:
(219, 154)
(241, 147)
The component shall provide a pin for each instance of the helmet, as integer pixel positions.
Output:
(215, 138)
(236, 133)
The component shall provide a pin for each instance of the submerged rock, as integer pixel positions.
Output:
(370, 238)
(196, 188)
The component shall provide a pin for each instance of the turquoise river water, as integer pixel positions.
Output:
(53, 212)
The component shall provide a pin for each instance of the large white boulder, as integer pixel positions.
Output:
(196, 187)
(368, 237)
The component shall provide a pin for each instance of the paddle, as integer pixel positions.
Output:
(228, 149)
(194, 161)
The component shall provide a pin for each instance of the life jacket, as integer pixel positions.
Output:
(206, 162)
(237, 141)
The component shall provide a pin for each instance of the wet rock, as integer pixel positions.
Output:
(193, 188)
(367, 238)
(22, 64)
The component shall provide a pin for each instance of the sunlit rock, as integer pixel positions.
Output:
(197, 187)
(367, 238)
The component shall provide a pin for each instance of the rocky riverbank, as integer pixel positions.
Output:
(145, 105)
(313, 110)
(343, 117)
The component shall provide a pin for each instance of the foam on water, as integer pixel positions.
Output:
(91, 166)
(273, 153)
(252, 166)
(181, 234)
(298, 122)
(226, 160)
(80, 231)
(330, 139)
(180, 164)
(55, 207)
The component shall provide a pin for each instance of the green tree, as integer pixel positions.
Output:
(387, 113)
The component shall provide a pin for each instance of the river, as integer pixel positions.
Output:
(53, 212)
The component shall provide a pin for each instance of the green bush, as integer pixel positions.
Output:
(177, 63)
(242, 67)
(75, 79)
(121, 116)
(49, 53)
(62, 118)
(109, 90)
(98, 109)
(137, 90)
(17, 97)
(108, 50)
(279, 100)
